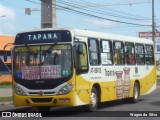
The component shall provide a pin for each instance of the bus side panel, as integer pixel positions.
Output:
(141, 77)
(108, 91)
(150, 79)
(82, 89)
(152, 74)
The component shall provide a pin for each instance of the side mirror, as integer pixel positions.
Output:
(80, 49)
(5, 56)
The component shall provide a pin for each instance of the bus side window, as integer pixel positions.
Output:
(93, 46)
(139, 49)
(118, 52)
(149, 54)
(83, 60)
(106, 52)
(129, 53)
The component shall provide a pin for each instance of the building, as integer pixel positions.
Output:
(6, 41)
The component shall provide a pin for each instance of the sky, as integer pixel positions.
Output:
(135, 16)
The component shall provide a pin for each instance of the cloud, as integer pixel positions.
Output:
(99, 23)
(7, 23)
(8, 12)
(10, 28)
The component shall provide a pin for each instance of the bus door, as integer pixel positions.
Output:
(81, 66)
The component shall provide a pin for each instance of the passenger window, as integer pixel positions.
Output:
(94, 58)
(118, 53)
(139, 49)
(129, 53)
(149, 54)
(106, 54)
(83, 63)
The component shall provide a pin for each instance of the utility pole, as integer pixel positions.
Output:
(48, 13)
(153, 23)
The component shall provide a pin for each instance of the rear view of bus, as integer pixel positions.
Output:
(43, 69)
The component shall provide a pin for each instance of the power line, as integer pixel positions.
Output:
(88, 5)
(99, 11)
(102, 12)
(112, 11)
(91, 15)
(71, 21)
(103, 17)
(94, 11)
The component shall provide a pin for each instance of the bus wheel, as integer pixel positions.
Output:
(43, 108)
(136, 93)
(93, 100)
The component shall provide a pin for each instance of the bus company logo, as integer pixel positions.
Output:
(41, 93)
(6, 114)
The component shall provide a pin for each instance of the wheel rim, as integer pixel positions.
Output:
(93, 99)
(136, 94)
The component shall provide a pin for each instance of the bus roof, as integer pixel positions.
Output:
(100, 35)
(109, 36)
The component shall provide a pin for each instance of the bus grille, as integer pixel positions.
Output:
(45, 93)
(41, 99)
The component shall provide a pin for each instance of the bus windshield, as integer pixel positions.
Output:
(42, 62)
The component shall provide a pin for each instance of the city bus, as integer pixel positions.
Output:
(80, 67)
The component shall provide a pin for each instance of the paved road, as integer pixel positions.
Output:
(149, 103)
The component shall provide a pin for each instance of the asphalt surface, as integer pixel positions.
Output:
(148, 104)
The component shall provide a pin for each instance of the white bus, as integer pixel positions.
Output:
(80, 67)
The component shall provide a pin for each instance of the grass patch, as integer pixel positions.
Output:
(6, 85)
(6, 99)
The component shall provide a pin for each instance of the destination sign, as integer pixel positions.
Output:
(43, 37)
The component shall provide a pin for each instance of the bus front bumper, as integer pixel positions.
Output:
(57, 100)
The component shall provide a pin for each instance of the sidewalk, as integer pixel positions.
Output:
(158, 86)
(5, 92)
(8, 106)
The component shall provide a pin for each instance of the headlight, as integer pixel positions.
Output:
(18, 90)
(66, 89)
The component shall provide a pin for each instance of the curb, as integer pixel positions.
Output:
(6, 103)
(9, 102)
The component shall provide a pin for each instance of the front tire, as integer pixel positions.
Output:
(93, 100)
